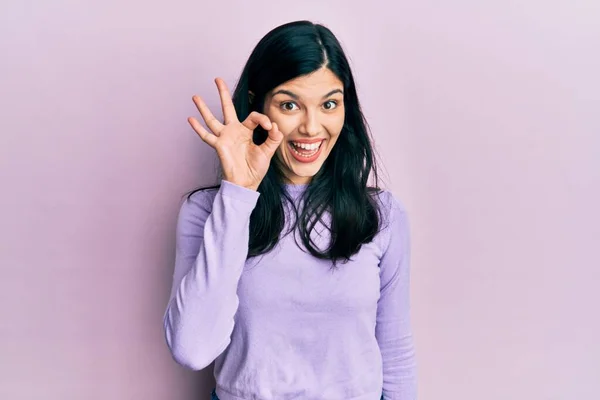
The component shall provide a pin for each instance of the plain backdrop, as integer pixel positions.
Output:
(486, 118)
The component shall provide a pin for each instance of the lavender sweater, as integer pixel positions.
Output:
(282, 325)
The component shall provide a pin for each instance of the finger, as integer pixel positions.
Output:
(208, 137)
(255, 119)
(229, 114)
(210, 120)
(273, 141)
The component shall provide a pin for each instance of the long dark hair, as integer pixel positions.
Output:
(340, 188)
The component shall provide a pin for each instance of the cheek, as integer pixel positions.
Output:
(335, 126)
(286, 124)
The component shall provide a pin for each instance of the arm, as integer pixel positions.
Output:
(212, 246)
(393, 330)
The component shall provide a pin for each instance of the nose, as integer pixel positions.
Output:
(310, 125)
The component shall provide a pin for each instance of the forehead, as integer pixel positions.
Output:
(315, 84)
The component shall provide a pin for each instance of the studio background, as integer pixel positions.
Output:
(485, 115)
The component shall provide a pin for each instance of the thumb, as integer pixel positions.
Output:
(273, 140)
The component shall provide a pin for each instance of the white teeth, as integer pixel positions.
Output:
(306, 146)
(312, 153)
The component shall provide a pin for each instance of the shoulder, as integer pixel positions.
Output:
(391, 206)
(394, 222)
(197, 205)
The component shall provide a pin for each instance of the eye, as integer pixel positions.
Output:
(288, 106)
(330, 104)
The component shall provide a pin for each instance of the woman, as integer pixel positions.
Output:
(322, 313)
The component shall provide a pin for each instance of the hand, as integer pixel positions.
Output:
(244, 163)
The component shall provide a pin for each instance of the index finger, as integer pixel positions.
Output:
(229, 114)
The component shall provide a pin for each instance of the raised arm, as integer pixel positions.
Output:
(212, 238)
(212, 245)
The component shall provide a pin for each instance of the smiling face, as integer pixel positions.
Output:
(309, 111)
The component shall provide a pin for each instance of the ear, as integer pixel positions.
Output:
(250, 96)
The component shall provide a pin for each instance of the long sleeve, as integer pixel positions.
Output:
(211, 250)
(393, 328)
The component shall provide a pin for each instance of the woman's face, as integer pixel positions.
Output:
(306, 109)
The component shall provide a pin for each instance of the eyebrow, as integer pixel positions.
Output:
(295, 96)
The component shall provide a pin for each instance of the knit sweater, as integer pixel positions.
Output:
(284, 325)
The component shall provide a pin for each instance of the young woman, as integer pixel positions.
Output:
(293, 273)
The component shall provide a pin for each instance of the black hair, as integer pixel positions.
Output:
(340, 187)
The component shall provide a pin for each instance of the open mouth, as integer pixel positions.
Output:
(304, 152)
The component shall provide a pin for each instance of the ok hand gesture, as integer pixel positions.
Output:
(244, 163)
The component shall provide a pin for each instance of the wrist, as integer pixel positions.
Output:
(246, 186)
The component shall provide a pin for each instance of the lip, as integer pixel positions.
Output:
(305, 159)
(307, 141)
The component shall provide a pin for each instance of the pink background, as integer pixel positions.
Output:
(485, 114)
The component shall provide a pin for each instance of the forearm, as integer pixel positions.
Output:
(200, 315)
